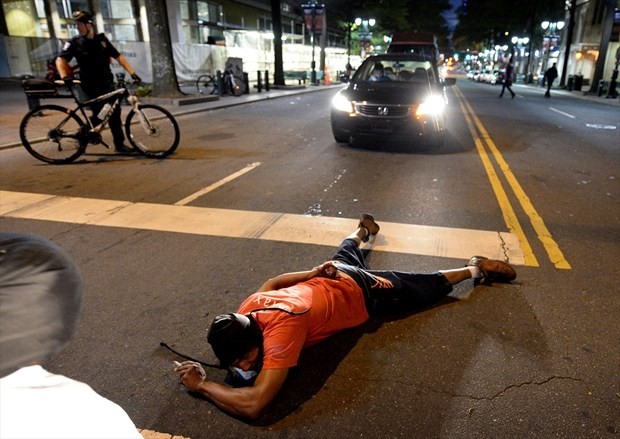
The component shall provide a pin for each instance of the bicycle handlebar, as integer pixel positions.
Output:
(67, 81)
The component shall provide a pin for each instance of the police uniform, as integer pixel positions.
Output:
(93, 57)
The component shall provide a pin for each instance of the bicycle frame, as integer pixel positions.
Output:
(82, 105)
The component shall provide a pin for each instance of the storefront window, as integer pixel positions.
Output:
(23, 18)
(121, 32)
(67, 7)
(201, 20)
(116, 9)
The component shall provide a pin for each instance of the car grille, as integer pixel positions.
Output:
(382, 110)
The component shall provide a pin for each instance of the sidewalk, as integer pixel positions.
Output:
(13, 105)
(582, 95)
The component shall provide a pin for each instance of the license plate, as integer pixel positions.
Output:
(382, 126)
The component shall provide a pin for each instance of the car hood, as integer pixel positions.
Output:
(387, 92)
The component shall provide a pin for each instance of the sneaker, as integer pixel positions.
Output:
(367, 221)
(492, 269)
(124, 149)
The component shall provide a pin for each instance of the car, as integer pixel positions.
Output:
(395, 96)
(418, 43)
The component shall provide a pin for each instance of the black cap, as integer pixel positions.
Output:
(83, 17)
(40, 300)
(232, 335)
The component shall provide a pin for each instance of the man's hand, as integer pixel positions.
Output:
(192, 375)
(326, 269)
(136, 78)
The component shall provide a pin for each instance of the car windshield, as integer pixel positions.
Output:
(384, 70)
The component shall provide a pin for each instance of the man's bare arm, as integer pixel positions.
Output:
(285, 280)
(125, 64)
(64, 69)
(247, 402)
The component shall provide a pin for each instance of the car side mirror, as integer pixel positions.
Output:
(449, 81)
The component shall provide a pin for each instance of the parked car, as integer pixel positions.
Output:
(392, 96)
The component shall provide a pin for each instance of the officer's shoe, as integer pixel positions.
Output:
(493, 270)
(367, 221)
(124, 149)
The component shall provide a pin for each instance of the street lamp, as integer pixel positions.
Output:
(312, 12)
(520, 44)
(365, 35)
(551, 26)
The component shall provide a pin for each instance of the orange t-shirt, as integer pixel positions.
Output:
(332, 304)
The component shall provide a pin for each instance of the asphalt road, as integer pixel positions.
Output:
(269, 192)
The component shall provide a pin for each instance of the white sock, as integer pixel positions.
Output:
(475, 271)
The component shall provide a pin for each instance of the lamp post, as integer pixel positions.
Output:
(552, 26)
(365, 35)
(312, 11)
(520, 43)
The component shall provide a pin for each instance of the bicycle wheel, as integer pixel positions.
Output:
(205, 84)
(154, 133)
(238, 86)
(53, 134)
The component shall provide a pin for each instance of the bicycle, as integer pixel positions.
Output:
(206, 84)
(56, 134)
(233, 84)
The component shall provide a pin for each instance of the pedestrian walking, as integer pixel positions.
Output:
(508, 77)
(93, 52)
(293, 311)
(550, 75)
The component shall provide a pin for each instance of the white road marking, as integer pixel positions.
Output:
(319, 230)
(217, 184)
(562, 113)
(600, 127)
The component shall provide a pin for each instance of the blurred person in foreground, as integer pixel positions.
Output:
(293, 311)
(40, 308)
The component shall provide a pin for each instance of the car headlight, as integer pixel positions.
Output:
(341, 103)
(432, 106)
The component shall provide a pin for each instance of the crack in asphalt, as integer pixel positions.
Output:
(480, 398)
(503, 247)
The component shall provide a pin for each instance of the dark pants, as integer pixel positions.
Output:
(383, 287)
(116, 126)
(506, 85)
(549, 83)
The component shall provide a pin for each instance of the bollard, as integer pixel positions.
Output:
(218, 79)
(266, 80)
(246, 81)
(259, 84)
(601, 88)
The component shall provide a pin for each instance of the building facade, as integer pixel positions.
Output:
(203, 33)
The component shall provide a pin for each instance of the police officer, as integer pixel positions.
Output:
(92, 52)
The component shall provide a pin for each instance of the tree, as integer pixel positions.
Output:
(483, 22)
(276, 21)
(165, 83)
(393, 15)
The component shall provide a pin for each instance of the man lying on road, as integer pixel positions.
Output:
(293, 311)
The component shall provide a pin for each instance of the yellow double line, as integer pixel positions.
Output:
(481, 137)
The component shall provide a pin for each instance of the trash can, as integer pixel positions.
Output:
(570, 83)
(578, 82)
(36, 89)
